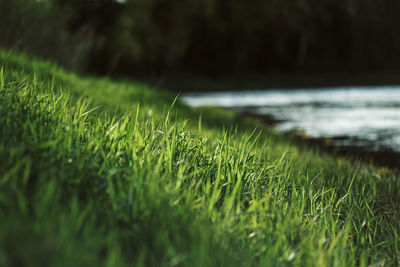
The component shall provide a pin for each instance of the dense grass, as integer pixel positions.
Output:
(99, 172)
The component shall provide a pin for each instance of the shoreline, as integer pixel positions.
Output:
(194, 83)
(386, 158)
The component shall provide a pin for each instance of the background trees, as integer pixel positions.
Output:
(212, 37)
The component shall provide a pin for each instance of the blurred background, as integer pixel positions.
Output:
(208, 38)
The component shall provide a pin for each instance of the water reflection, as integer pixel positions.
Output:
(368, 117)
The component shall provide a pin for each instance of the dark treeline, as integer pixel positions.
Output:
(210, 37)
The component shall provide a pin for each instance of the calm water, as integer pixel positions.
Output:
(365, 117)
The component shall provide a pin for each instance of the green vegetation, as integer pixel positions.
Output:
(41, 27)
(210, 37)
(113, 173)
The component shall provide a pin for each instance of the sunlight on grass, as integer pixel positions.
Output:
(90, 177)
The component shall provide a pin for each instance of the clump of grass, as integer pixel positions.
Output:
(98, 172)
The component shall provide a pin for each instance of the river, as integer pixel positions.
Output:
(363, 120)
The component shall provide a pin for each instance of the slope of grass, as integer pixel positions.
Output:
(99, 172)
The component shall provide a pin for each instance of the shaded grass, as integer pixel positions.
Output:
(100, 172)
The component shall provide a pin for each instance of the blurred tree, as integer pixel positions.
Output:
(213, 37)
(40, 27)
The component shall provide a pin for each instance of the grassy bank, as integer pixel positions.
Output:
(100, 172)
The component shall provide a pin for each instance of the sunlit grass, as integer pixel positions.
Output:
(98, 172)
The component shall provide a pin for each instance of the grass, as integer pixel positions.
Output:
(95, 172)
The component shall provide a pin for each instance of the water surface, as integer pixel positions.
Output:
(365, 117)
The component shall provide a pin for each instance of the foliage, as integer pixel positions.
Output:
(212, 37)
(99, 172)
(41, 27)
(237, 37)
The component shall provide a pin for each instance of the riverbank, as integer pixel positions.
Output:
(193, 83)
(358, 121)
(96, 172)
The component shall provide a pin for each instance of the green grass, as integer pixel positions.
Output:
(113, 173)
